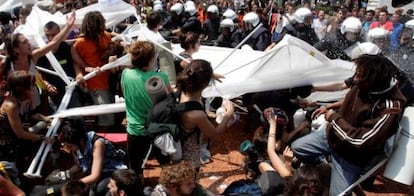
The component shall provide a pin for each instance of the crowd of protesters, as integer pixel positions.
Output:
(286, 153)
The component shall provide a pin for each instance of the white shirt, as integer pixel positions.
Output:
(320, 27)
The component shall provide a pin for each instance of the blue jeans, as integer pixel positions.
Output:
(311, 148)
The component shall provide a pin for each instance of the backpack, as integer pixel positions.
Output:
(163, 125)
(112, 151)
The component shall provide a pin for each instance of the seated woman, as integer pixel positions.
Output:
(20, 86)
(274, 174)
(305, 181)
(94, 154)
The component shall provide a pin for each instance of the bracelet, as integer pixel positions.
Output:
(272, 134)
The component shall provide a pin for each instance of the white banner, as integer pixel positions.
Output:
(291, 63)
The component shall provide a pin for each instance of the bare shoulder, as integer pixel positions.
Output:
(98, 143)
(194, 115)
(8, 105)
(194, 118)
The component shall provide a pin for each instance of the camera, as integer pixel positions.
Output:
(281, 115)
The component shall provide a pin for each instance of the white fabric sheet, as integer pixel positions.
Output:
(291, 63)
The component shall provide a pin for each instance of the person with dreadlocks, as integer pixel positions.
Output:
(90, 46)
(356, 135)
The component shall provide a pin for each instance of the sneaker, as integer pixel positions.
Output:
(205, 155)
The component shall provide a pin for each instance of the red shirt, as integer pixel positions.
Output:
(387, 26)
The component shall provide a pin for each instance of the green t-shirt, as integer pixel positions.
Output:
(137, 100)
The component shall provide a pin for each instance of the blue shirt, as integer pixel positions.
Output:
(395, 36)
(86, 158)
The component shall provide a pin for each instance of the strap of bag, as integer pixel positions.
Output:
(188, 106)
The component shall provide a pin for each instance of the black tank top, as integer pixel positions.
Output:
(8, 140)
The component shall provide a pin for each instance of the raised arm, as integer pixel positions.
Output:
(37, 53)
(277, 163)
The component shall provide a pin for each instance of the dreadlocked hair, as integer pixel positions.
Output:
(377, 71)
(195, 76)
(93, 25)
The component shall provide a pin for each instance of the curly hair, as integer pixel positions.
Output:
(195, 76)
(93, 25)
(142, 53)
(306, 181)
(189, 40)
(177, 174)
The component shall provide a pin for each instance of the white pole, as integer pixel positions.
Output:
(124, 60)
(364, 177)
(145, 29)
(44, 147)
(47, 71)
(240, 44)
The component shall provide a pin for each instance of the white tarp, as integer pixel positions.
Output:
(114, 11)
(291, 63)
(9, 5)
